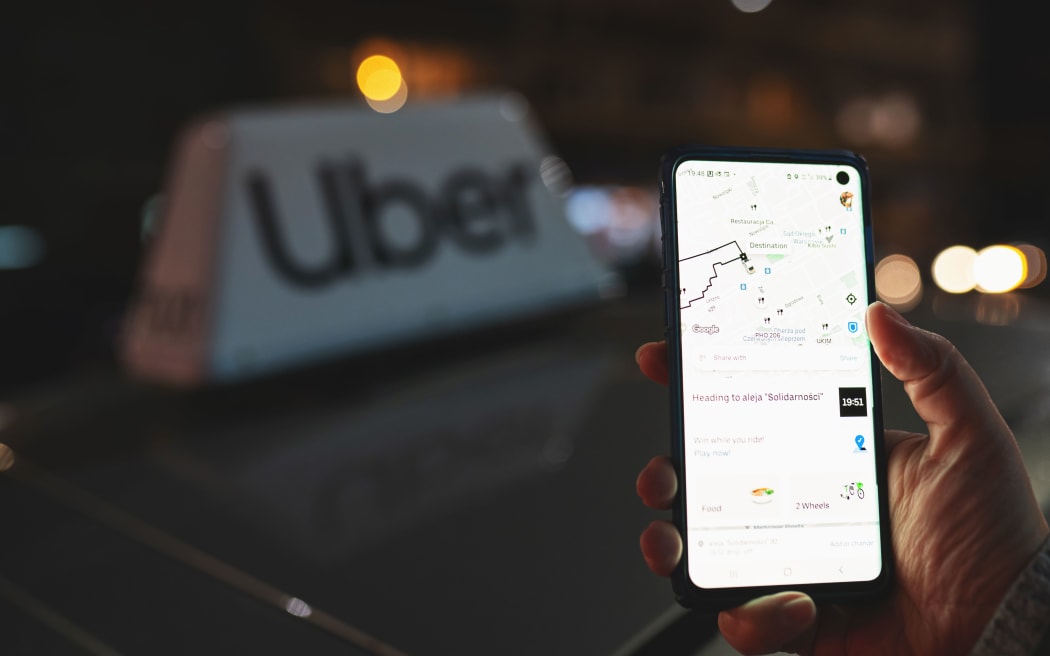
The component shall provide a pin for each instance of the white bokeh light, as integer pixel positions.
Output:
(898, 281)
(953, 271)
(751, 6)
(999, 269)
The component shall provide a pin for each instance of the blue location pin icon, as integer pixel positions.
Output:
(860, 442)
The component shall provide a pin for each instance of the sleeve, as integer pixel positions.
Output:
(1019, 626)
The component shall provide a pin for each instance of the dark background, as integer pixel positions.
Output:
(94, 93)
(476, 496)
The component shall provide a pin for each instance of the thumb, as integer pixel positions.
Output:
(945, 391)
(780, 622)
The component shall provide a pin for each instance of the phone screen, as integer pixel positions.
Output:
(779, 422)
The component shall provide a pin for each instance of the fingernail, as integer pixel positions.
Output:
(798, 612)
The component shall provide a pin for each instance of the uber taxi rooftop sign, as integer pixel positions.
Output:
(291, 234)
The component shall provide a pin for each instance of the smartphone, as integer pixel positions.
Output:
(775, 398)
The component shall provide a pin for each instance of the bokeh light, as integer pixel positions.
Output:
(7, 457)
(21, 247)
(999, 269)
(1035, 260)
(556, 175)
(620, 223)
(297, 607)
(751, 6)
(898, 282)
(952, 269)
(391, 104)
(379, 78)
(893, 120)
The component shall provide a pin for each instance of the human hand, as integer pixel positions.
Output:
(962, 513)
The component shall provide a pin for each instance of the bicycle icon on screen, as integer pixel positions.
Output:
(851, 490)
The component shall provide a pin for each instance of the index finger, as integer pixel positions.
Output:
(652, 360)
(657, 484)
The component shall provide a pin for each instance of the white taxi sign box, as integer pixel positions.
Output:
(291, 234)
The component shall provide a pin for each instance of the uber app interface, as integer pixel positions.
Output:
(777, 375)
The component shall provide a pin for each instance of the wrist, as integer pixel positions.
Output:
(1019, 624)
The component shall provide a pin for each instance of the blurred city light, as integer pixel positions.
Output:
(556, 175)
(898, 282)
(620, 223)
(1035, 261)
(383, 70)
(391, 104)
(999, 269)
(380, 81)
(21, 247)
(588, 209)
(751, 6)
(7, 457)
(892, 121)
(297, 607)
(953, 270)
(379, 77)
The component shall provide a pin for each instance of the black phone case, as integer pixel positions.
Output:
(686, 593)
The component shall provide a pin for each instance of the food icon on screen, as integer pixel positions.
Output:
(762, 495)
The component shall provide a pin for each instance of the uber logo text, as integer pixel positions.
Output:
(479, 212)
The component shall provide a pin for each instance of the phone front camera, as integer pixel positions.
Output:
(842, 177)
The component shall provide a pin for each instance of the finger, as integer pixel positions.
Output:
(652, 360)
(770, 624)
(662, 547)
(657, 483)
(943, 388)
